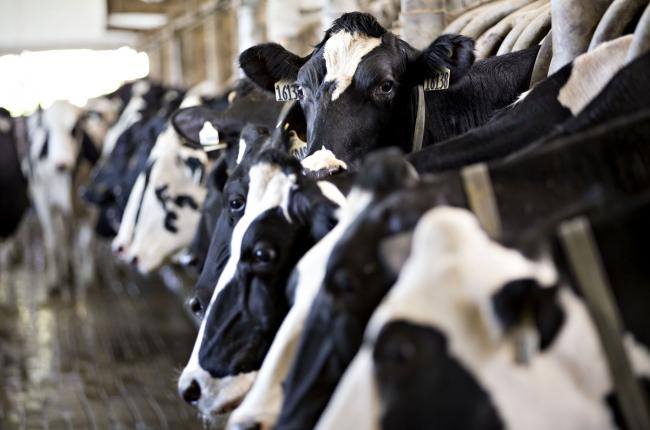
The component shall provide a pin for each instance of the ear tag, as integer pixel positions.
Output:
(286, 91)
(209, 138)
(439, 81)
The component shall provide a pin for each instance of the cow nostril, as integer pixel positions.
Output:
(192, 394)
(134, 261)
(195, 306)
(119, 250)
(61, 167)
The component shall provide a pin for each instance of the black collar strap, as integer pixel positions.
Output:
(585, 261)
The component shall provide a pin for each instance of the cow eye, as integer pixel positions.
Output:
(386, 87)
(264, 253)
(236, 204)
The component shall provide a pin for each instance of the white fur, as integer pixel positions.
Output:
(262, 404)
(343, 52)
(151, 243)
(269, 187)
(592, 71)
(447, 283)
(241, 151)
(323, 159)
(130, 115)
(50, 188)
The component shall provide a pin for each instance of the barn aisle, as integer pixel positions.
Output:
(106, 359)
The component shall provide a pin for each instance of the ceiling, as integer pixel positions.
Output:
(96, 24)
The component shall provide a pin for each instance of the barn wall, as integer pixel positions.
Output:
(204, 41)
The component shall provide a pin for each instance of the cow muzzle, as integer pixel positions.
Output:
(214, 396)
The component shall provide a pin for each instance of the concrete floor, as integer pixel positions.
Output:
(106, 358)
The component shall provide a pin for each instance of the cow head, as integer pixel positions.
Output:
(447, 328)
(165, 204)
(232, 194)
(358, 85)
(285, 215)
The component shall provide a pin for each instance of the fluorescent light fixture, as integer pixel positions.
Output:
(137, 21)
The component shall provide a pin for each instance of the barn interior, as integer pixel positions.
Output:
(331, 214)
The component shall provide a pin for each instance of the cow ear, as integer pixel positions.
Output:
(188, 122)
(450, 51)
(523, 298)
(269, 63)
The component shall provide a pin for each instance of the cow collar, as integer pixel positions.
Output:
(418, 131)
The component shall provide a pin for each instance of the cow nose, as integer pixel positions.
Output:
(195, 306)
(61, 167)
(192, 393)
(134, 261)
(119, 250)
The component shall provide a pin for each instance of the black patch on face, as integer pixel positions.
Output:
(195, 165)
(45, 148)
(183, 200)
(422, 386)
(247, 313)
(522, 296)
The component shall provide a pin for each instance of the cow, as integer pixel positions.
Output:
(589, 90)
(57, 139)
(382, 173)
(286, 213)
(594, 162)
(359, 87)
(127, 146)
(14, 200)
(449, 325)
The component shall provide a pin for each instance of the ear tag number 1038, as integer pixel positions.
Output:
(439, 81)
(286, 91)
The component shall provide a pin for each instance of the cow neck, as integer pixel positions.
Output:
(418, 130)
(584, 259)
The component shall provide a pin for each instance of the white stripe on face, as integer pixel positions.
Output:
(242, 150)
(269, 187)
(343, 52)
(263, 402)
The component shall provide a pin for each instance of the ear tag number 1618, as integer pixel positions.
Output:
(439, 81)
(286, 91)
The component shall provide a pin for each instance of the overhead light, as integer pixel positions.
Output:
(137, 21)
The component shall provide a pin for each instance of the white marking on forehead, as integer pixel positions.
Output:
(208, 134)
(323, 159)
(591, 72)
(343, 52)
(242, 150)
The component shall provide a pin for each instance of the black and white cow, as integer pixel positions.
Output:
(574, 169)
(126, 149)
(286, 213)
(57, 140)
(587, 91)
(381, 173)
(449, 326)
(359, 87)
(13, 185)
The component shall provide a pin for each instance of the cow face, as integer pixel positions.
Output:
(357, 86)
(253, 140)
(284, 216)
(164, 206)
(51, 135)
(441, 347)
